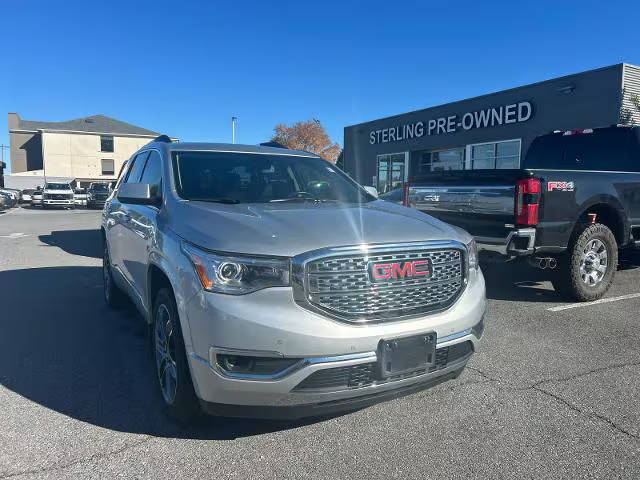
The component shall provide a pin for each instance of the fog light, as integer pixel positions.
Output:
(234, 363)
(259, 366)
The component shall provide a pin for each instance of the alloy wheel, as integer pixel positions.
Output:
(165, 354)
(593, 263)
(106, 275)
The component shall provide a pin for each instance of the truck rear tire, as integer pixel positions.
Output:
(586, 271)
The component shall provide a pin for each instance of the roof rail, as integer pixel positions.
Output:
(163, 138)
(273, 144)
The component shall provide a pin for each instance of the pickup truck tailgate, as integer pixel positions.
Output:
(481, 202)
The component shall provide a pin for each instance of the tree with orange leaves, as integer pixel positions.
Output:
(309, 136)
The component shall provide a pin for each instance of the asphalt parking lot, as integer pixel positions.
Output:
(552, 394)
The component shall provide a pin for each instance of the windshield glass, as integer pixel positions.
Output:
(254, 178)
(101, 187)
(58, 186)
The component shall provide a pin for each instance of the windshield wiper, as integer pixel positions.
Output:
(292, 199)
(216, 200)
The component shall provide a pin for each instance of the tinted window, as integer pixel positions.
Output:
(247, 178)
(152, 171)
(606, 149)
(57, 186)
(136, 169)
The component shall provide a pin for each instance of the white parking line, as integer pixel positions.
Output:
(596, 302)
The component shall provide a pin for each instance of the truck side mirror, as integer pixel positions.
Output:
(372, 191)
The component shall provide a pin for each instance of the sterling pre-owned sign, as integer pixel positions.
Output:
(490, 117)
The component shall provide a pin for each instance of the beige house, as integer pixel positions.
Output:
(90, 149)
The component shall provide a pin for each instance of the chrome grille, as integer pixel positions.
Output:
(342, 285)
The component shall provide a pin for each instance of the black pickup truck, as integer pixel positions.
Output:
(574, 203)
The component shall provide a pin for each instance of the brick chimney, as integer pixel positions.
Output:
(14, 121)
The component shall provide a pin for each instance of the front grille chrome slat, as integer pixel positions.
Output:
(342, 286)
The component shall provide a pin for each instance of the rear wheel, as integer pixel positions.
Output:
(586, 271)
(112, 294)
(171, 368)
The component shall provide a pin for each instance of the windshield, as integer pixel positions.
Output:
(58, 186)
(101, 187)
(254, 178)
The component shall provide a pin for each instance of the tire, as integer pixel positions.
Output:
(170, 360)
(113, 296)
(586, 271)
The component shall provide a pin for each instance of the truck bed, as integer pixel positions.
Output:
(481, 202)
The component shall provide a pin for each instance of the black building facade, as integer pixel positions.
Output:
(490, 131)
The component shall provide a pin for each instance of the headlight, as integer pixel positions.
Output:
(236, 275)
(472, 255)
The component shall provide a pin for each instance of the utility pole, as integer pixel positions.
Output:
(2, 147)
(233, 129)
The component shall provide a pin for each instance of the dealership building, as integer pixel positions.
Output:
(80, 151)
(492, 131)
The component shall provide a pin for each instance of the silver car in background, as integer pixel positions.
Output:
(275, 286)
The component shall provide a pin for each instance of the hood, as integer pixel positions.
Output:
(49, 190)
(290, 229)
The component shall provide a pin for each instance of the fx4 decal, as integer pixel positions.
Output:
(561, 186)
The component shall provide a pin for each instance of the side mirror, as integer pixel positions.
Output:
(138, 193)
(372, 191)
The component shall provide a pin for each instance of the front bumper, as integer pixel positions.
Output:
(59, 202)
(517, 243)
(270, 323)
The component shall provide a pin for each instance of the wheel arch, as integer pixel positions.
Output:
(609, 212)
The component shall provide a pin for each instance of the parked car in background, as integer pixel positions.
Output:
(36, 198)
(26, 195)
(572, 206)
(58, 195)
(80, 197)
(5, 201)
(276, 286)
(97, 194)
(15, 195)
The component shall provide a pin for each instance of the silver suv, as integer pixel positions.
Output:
(275, 286)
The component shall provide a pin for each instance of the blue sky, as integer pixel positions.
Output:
(184, 68)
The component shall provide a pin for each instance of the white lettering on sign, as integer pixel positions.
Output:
(489, 117)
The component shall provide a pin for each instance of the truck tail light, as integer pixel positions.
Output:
(527, 201)
(405, 194)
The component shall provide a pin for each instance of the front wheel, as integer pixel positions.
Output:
(171, 368)
(586, 271)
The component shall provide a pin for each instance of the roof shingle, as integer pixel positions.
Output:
(93, 124)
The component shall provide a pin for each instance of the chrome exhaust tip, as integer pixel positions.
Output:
(553, 263)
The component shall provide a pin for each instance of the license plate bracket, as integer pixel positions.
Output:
(407, 354)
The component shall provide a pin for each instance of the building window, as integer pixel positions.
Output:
(495, 155)
(108, 168)
(438, 161)
(106, 143)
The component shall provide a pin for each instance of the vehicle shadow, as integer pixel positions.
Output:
(86, 243)
(518, 282)
(65, 350)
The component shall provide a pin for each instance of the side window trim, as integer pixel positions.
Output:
(146, 163)
(141, 157)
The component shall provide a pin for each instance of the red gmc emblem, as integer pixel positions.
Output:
(380, 272)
